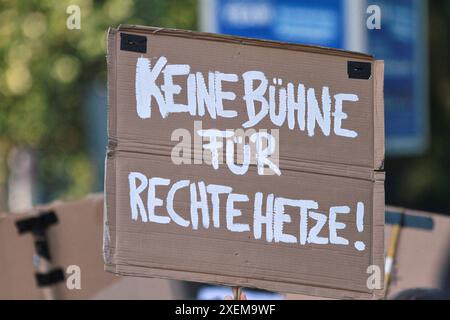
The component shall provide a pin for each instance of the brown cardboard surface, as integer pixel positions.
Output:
(75, 240)
(332, 170)
(422, 258)
(312, 69)
(17, 275)
(128, 288)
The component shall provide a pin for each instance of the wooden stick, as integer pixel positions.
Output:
(391, 254)
(236, 293)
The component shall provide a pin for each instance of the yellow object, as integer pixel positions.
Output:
(390, 257)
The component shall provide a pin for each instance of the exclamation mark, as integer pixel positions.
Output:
(359, 245)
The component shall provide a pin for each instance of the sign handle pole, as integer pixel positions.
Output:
(49, 291)
(392, 252)
(236, 292)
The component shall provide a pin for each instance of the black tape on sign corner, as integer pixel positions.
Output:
(50, 278)
(133, 42)
(359, 70)
(38, 224)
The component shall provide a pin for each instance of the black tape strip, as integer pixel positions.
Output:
(42, 249)
(50, 278)
(409, 221)
(133, 42)
(359, 70)
(37, 225)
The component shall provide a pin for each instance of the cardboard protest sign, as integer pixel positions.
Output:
(244, 162)
(421, 258)
(74, 242)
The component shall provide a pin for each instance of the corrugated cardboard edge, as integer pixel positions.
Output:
(379, 175)
(378, 217)
(243, 41)
(275, 286)
(378, 115)
(109, 219)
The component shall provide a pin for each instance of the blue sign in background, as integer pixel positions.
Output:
(400, 42)
(317, 22)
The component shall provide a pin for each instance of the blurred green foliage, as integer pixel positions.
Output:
(47, 70)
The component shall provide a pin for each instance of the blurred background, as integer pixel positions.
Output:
(53, 106)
